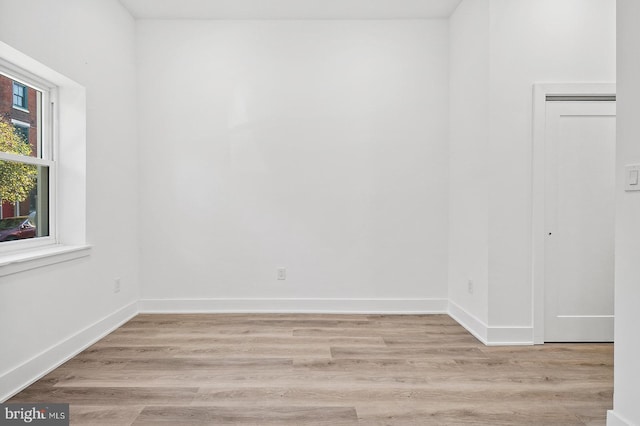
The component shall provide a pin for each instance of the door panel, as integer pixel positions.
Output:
(579, 217)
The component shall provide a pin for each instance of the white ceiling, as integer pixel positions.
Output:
(290, 9)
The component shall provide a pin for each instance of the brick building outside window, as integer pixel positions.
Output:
(18, 106)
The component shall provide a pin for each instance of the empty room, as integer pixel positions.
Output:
(289, 212)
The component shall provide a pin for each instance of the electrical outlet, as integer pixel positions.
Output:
(116, 285)
(470, 286)
(282, 273)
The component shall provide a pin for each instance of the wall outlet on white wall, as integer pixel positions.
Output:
(116, 285)
(282, 273)
(632, 177)
(470, 286)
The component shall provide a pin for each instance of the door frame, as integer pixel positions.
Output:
(540, 93)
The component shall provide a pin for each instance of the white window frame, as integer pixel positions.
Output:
(45, 155)
(64, 154)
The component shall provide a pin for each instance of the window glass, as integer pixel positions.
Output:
(25, 203)
(24, 184)
(23, 132)
(20, 95)
(27, 124)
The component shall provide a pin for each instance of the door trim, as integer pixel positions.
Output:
(540, 93)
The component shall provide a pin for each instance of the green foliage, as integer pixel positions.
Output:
(16, 179)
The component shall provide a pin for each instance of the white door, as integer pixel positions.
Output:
(579, 221)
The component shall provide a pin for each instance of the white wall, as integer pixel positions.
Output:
(319, 146)
(93, 44)
(627, 351)
(468, 146)
(529, 41)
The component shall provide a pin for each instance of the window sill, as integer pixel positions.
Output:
(26, 260)
(19, 108)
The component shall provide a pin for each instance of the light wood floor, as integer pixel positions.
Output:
(325, 369)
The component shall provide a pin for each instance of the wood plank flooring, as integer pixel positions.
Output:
(325, 369)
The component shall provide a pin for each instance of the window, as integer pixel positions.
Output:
(26, 163)
(20, 95)
(23, 129)
(51, 211)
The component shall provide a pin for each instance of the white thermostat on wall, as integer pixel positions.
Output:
(632, 177)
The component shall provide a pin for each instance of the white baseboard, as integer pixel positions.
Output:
(25, 374)
(473, 325)
(339, 306)
(614, 419)
(491, 336)
(510, 336)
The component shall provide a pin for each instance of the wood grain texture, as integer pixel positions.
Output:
(281, 369)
